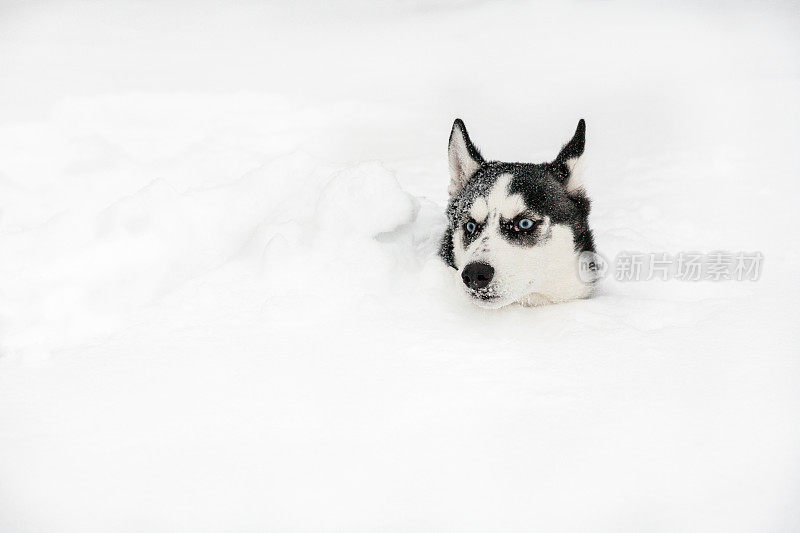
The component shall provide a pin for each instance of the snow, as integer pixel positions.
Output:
(221, 307)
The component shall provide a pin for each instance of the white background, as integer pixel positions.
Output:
(221, 307)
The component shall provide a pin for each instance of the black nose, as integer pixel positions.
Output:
(477, 275)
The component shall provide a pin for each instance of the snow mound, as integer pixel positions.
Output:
(365, 200)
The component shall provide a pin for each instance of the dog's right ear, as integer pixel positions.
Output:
(463, 157)
(569, 160)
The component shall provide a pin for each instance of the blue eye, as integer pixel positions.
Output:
(471, 227)
(525, 223)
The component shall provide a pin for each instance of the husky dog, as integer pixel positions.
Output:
(516, 230)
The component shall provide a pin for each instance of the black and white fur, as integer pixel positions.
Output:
(516, 230)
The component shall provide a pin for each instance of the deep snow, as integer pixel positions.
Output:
(221, 307)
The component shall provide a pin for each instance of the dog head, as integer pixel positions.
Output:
(516, 229)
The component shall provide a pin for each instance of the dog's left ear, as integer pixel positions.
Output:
(463, 157)
(569, 158)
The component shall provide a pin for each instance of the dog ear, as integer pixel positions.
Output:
(463, 157)
(569, 160)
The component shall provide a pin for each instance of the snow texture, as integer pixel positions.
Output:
(221, 307)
